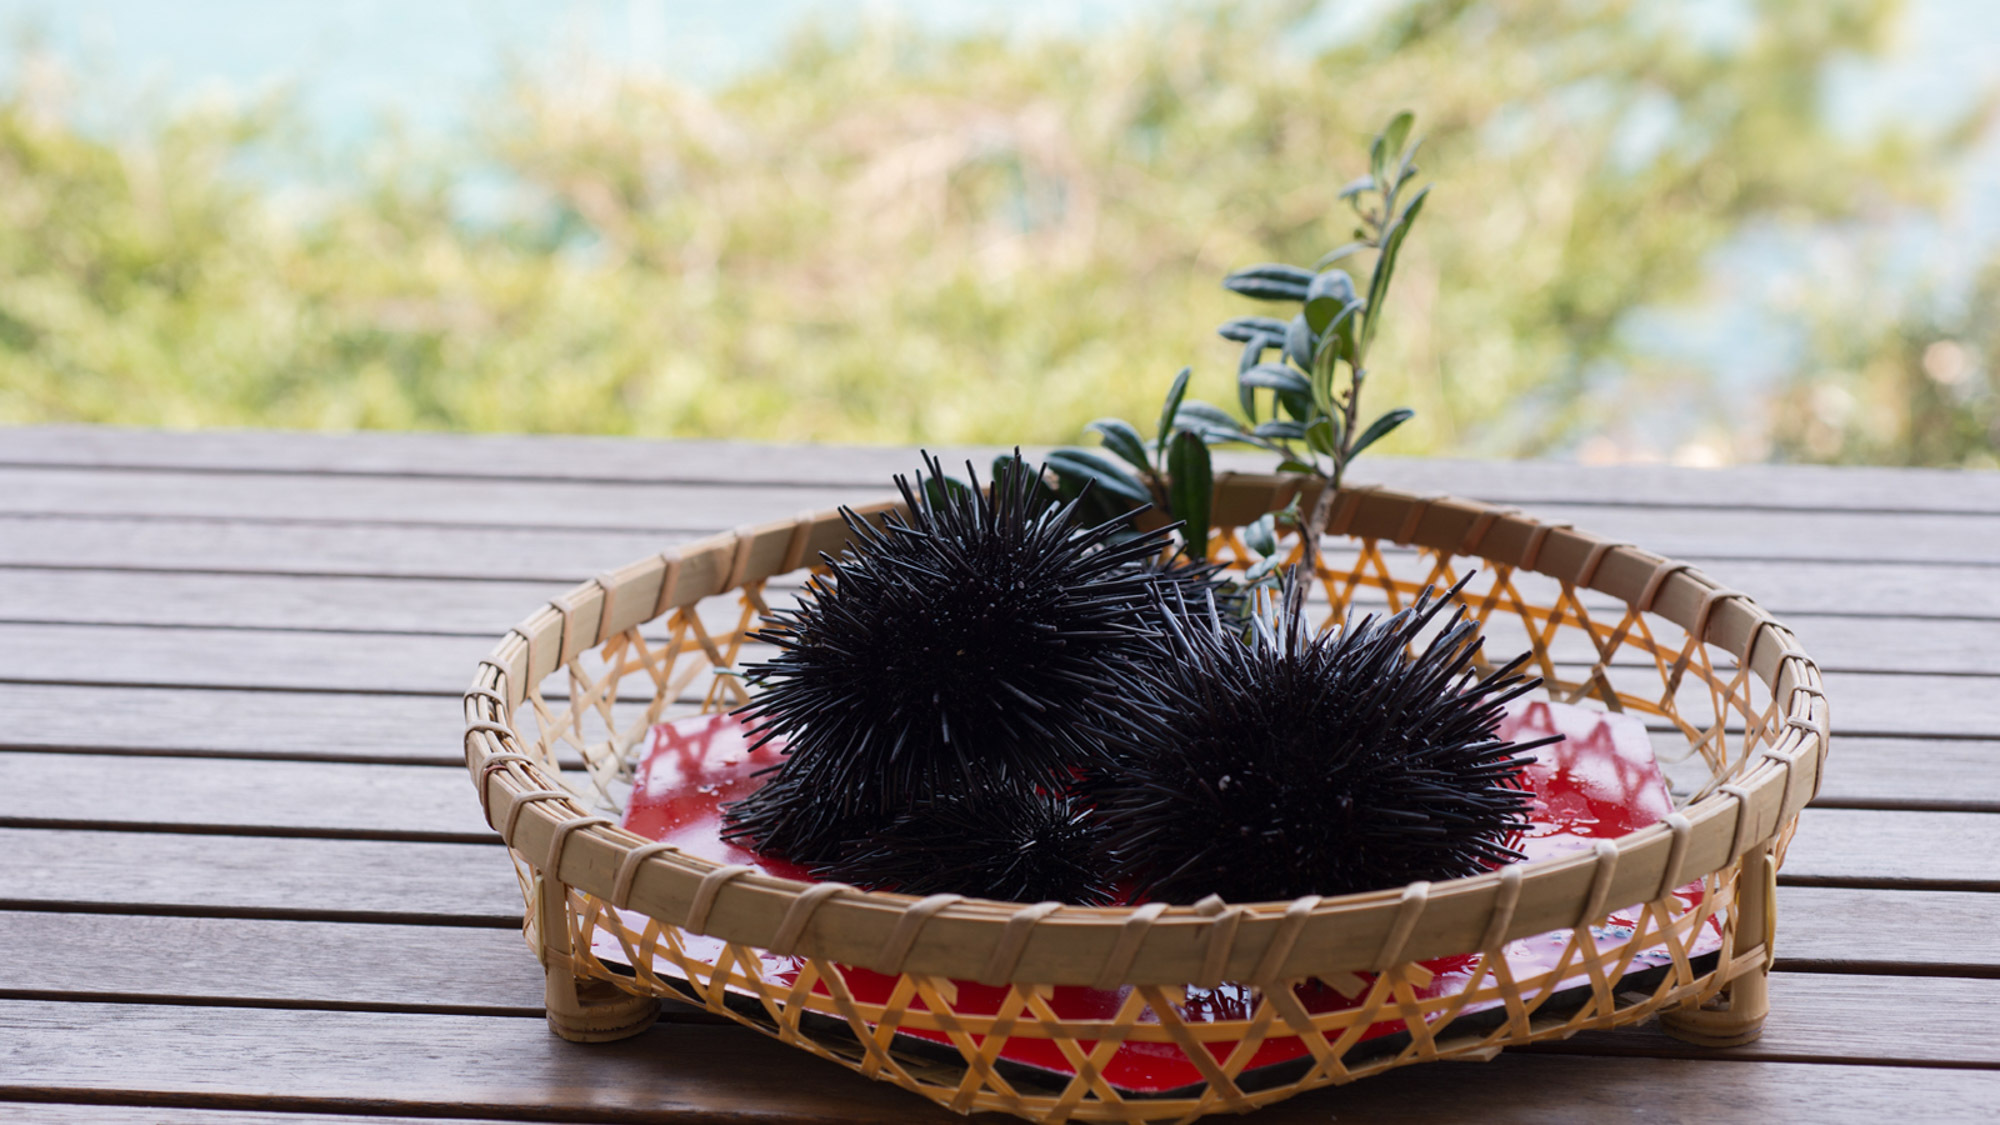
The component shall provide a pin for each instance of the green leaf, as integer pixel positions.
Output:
(1245, 329)
(1192, 489)
(1333, 283)
(1004, 464)
(1246, 395)
(1299, 406)
(1340, 253)
(1294, 467)
(1281, 431)
(1078, 466)
(1253, 353)
(1299, 342)
(1340, 334)
(1397, 133)
(1328, 294)
(1355, 187)
(1385, 265)
(1261, 535)
(1262, 569)
(1195, 414)
(1175, 394)
(1272, 271)
(1275, 376)
(1270, 281)
(1409, 171)
(1093, 505)
(938, 489)
(1323, 436)
(1120, 438)
(1380, 428)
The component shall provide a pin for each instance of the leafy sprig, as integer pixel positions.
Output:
(1172, 472)
(1312, 389)
(1315, 383)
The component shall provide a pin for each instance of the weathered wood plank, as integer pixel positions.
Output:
(1938, 850)
(1917, 585)
(255, 724)
(1824, 1018)
(338, 800)
(458, 969)
(236, 547)
(275, 798)
(1941, 933)
(412, 502)
(435, 607)
(1863, 772)
(507, 457)
(204, 1057)
(416, 504)
(468, 969)
(257, 876)
(142, 872)
(490, 457)
(1896, 773)
(386, 1063)
(1909, 590)
(49, 1113)
(258, 601)
(393, 664)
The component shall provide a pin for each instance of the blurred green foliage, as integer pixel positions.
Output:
(904, 238)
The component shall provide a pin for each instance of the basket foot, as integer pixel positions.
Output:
(595, 1011)
(1733, 1019)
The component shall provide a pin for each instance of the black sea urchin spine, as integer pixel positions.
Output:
(1288, 763)
(1034, 848)
(977, 645)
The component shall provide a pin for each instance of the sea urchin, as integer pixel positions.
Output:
(976, 647)
(1289, 763)
(1031, 848)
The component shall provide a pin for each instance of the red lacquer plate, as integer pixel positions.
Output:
(1601, 781)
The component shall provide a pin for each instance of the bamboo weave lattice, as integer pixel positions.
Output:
(1737, 713)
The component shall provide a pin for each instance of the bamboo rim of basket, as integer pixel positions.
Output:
(1002, 942)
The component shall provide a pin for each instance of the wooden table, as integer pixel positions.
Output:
(244, 869)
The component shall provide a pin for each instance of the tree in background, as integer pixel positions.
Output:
(900, 237)
(1907, 381)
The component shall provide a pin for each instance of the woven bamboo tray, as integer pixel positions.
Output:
(583, 680)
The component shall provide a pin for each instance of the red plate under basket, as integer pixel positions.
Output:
(1601, 781)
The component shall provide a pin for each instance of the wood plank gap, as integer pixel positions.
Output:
(671, 1011)
(268, 914)
(212, 627)
(571, 577)
(1882, 968)
(288, 1005)
(613, 482)
(1901, 804)
(343, 758)
(677, 530)
(1856, 883)
(294, 689)
(354, 1107)
(297, 832)
(529, 602)
(1841, 732)
(1741, 1056)
(719, 482)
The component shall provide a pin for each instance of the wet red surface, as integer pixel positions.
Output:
(1601, 781)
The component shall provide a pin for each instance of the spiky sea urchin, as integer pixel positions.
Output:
(1292, 763)
(976, 646)
(1020, 848)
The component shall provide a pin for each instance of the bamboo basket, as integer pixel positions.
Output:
(583, 680)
